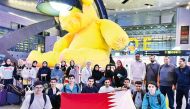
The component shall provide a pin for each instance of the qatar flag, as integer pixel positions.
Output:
(117, 100)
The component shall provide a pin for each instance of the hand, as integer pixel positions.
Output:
(123, 88)
(158, 84)
(58, 93)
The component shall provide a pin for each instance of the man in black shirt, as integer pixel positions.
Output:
(90, 88)
(183, 83)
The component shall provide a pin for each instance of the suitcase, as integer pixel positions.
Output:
(3, 97)
(15, 89)
(13, 98)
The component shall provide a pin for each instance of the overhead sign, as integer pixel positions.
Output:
(167, 53)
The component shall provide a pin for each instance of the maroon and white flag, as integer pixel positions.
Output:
(117, 100)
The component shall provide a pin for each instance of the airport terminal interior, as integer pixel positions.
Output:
(97, 32)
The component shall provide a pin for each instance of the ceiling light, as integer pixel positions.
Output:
(21, 16)
(53, 7)
(148, 5)
(187, 7)
(60, 6)
(177, 3)
(123, 9)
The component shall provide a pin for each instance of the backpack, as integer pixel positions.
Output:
(158, 98)
(32, 99)
(135, 93)
(64, 88)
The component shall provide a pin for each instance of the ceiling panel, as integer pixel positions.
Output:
(139, 5)
(111, 5)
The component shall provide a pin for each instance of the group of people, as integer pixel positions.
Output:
(167, 77)
(148, 83)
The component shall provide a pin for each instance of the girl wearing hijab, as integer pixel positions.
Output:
(8, 72)
(96, 73)
(120, 74)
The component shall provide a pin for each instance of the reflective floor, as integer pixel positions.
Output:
(10, 107)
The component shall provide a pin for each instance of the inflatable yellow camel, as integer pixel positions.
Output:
(89, 38)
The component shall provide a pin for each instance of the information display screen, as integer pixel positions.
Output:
(167, 53)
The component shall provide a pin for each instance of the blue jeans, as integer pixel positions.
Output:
(170, 93)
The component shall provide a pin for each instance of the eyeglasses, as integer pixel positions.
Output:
(151, 86)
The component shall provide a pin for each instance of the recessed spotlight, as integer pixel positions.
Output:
(148, 5)
(187, 7)
(122, 9)
(177, 3)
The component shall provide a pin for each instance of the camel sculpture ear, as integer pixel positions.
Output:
(87, 2)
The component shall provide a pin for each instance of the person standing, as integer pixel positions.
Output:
(138, 69)
(183, 83)
(44, 73)
(28, 74)
(75, 72)
(57, 73)
(152, 70)
(120, 74)
(167, 80)
(108, 73)
(34, 65)
(63, 66)
(86, 73)
(72, 64)
(8, 72)
(96, 73)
